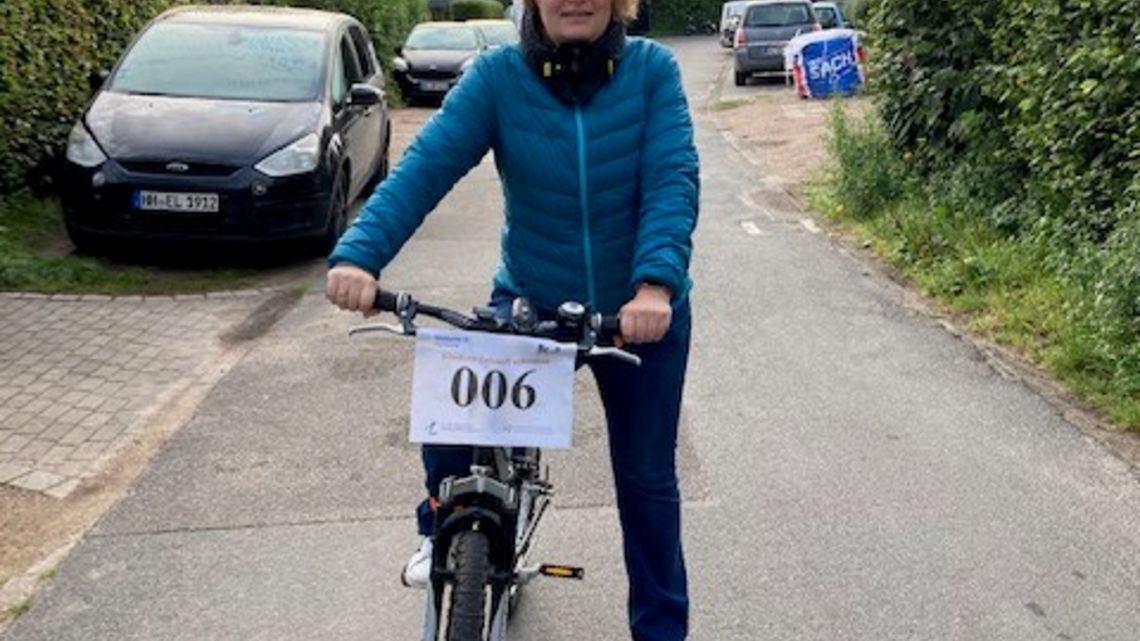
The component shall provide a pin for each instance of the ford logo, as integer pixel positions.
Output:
(179, 167)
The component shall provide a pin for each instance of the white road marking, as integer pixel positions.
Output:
(751, 228)
(730, 138)
(734, 142)
(752, 204)
(810, 225)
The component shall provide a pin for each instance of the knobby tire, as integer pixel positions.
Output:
(470, 555)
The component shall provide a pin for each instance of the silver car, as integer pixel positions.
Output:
(730, 20)
(764, 31)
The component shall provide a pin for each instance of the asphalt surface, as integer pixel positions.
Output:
(850, 469)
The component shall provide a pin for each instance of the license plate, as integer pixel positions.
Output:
(174, 201)
(429, 85)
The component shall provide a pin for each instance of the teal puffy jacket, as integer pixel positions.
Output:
(599, 198)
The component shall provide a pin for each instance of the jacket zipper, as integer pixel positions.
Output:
(583, 195)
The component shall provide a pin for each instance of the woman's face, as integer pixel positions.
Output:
(575, 20)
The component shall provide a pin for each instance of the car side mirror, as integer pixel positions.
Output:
(364, 95)
(96, 79)
(399, 50)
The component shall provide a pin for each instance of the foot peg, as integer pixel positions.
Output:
(562, 571)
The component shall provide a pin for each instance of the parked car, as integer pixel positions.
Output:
(764, 31)
(730, 14)
(238, 123)
(830, 15)
(434, 56)
(497, 33)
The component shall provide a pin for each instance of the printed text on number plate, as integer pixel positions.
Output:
(174, 201)
(472, 388)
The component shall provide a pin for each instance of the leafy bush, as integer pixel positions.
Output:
(48, 49)
(869, 171)
(1016, 200)
(473, 9)
(1037, 96)
(671, 16)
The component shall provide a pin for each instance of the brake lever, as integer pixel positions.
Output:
(388, 328)
(615, 352)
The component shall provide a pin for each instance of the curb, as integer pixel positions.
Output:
(143, 298)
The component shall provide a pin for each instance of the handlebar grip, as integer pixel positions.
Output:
(386, 301)
(610, 327)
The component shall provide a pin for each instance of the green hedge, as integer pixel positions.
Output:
(49, 48)
(671, 16)
(473, 9)
(1019, 121)
(1038, 95)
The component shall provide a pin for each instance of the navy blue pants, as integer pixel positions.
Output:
(643, 406)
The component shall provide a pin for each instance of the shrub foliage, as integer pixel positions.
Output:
(473, 9)
(1037, 94)
(1005, 166)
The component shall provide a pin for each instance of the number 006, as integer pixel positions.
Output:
(465, 389)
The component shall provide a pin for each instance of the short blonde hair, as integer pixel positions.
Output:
(624, 10)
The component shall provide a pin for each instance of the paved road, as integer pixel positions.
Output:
(851, 470)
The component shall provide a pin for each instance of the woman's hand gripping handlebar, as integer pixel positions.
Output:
(593, 333)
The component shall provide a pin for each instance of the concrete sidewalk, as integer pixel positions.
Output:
(79, 375)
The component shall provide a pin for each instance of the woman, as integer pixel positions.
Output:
(593, 142)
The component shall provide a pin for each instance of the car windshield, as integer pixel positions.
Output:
(500, 34)
(779, 15)
(827, 16)
(451, 38)
(227, 62)
(732, 9)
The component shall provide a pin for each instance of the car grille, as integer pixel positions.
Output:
(162, 167)
(428, 74)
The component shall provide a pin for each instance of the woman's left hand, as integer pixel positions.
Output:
(647, 317)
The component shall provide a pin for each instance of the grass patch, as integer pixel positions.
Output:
(35, 256)
(14, 612)
(736, 103)
(1050, 299)
(48, 575)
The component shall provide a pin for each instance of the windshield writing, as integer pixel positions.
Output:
(224, 62)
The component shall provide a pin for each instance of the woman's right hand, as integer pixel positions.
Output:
(351, 288)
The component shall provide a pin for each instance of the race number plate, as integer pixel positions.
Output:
(472, 388)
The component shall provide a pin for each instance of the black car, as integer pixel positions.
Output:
(230, 123)
(434, 56)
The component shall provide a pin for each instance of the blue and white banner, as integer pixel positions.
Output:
(825, 63)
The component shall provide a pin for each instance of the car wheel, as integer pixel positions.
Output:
(338, 214)
(741, 78)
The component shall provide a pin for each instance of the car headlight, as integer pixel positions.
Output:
(298, 158)
(399, 64)
(82, 148)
